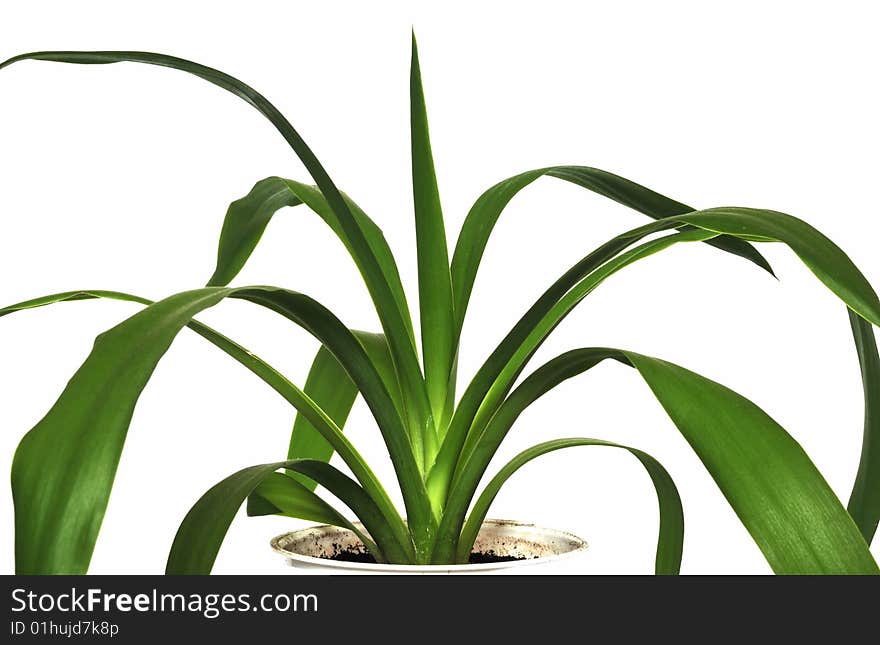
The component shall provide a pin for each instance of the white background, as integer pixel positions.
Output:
(118, 177)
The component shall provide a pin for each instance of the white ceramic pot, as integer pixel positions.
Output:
(312, 549)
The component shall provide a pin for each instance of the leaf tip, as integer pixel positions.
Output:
(414, 58)
(10, 61)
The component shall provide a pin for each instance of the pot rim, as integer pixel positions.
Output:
(312, 561)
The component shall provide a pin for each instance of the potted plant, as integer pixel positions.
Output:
(440, 443)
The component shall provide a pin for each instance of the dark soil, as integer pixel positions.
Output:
(354, 556)
(487, 557)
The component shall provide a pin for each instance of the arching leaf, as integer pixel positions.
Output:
(484, 214)
(864, 502)
(203, 529)
(397, 329)
(779, 495)
(64, 468)
(247, 218)
(670, 540)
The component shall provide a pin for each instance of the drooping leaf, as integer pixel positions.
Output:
(247, 218)
(498, 373)
(864, 502)
(63, 469)
(824, 258)
(279, 494)
(310, 411)
(328, 384)
(203, 529)
(670, 540)
(72, 296)
(396, 328)
(243, 227)
(484, 214)
(435, 286)
(781, 498)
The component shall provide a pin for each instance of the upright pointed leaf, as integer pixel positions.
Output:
(435, 287)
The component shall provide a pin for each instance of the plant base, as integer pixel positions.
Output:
(501, 544)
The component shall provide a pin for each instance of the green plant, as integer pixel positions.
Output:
(64, 467)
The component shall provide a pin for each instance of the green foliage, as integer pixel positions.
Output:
(440, 447)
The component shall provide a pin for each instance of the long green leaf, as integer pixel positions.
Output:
(64, 467)
(474, 464)
(561, 309)
(245, 222)
(824, 258)
(494, 380)
(397, 329)
(435, 285)
(671, 535)
(792, 514)
(839, 274)
(283, 495)
(778, 494)
(484, 214)
(316, 319)
(329, 385)
(475, 394)
(279, 494)
(311, 414)
(247, 218)
(864, 502)
(72, 296)
(202, 531)
(327, 379)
